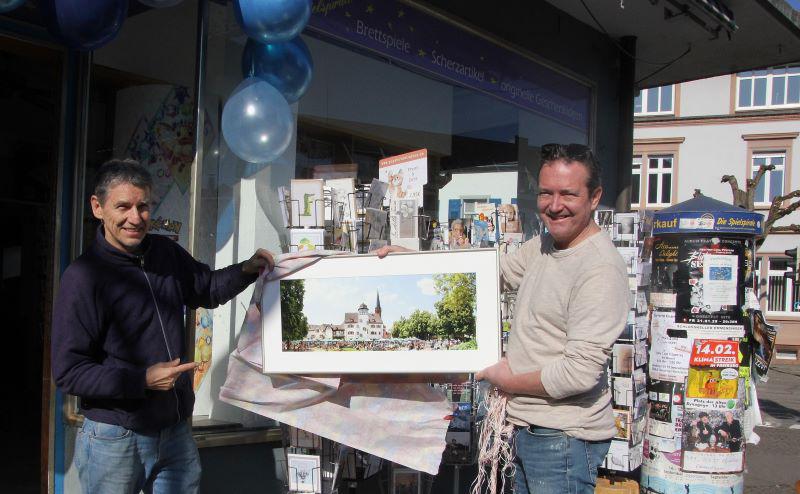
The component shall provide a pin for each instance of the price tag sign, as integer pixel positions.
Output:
(715, 353)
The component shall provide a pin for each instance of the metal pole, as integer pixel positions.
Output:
(196, 183)
(627, 92)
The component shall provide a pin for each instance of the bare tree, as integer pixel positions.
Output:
(777, 210)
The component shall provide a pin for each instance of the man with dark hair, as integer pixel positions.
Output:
(118, 340)
(572, 304)
(704, 429)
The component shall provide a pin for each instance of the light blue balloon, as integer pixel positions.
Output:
(257, 122)
(272, 21)
(159, 4)
(286, 66)
(9, 5)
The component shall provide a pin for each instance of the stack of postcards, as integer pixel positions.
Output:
(628, 380)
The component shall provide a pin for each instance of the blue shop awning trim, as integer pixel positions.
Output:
(706, 215)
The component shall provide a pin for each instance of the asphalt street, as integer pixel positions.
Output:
(773, 465)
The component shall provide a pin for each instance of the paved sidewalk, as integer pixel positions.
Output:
(773, 466)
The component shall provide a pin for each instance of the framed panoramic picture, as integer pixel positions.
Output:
(416, 312)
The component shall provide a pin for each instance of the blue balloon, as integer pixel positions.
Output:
(257, 122)
(9, 5)
(85, 24)
(286, 66)
(272, 21)
(159, 4)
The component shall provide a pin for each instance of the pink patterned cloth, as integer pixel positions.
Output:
(404, 423)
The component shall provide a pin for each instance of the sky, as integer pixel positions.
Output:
(327, 299)
(794, 3)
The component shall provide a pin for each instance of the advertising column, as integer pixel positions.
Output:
(700, 332)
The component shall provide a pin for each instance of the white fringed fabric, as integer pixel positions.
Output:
(495, 448)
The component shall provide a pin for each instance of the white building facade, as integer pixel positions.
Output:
(688, 135)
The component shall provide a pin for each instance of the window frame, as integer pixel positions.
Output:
(767, 178)
(771, 143)
(644, 94)
(636, 177)
(661, 146)
(788, 287)
(769, 77)
(660, 171)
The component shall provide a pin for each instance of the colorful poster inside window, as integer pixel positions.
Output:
(405, 174)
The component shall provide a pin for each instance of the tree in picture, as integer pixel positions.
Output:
(420, 324)
(455, 312)
(294, 323)
(456, 308)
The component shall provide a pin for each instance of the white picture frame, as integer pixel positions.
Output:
(303, 239)
(308, 203)
(626, 226)
(426, 357)
(304, 473)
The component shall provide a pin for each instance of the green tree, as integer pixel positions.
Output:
(294, 324)
(420, 324)
(456, 309)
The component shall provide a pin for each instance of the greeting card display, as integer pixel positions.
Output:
(308, 203)
(304, 473)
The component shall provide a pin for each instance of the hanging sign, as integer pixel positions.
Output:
(743, 221)
(426, 41)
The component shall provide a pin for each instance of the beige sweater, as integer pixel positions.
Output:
(571, 306)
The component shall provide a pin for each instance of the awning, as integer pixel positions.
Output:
(699, 41)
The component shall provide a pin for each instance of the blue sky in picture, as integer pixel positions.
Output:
(794, 3)
(327, 299)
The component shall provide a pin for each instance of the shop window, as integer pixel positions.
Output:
(361, 106)
(636, 181)
(655, 101)
(659, 180)
(781, 290)
(771, 184)
(770, 88)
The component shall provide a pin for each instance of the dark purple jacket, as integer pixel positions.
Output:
(116, 314)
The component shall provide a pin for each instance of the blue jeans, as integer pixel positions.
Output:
(548, 461)
(113, 459)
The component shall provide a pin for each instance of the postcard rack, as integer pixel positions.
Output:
(299, 442)
(358, 224)
(340, 467)
(461, 436)
(497, 221)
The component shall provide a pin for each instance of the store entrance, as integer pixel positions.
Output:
(30, 106)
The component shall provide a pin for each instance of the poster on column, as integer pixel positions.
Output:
(669, 353)
(154, 124)
(405, 174)
(710, 280)
(666, 410)
(713, 439)
(661, 473)
(665, 265)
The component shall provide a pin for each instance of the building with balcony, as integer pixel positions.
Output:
(688, 135)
